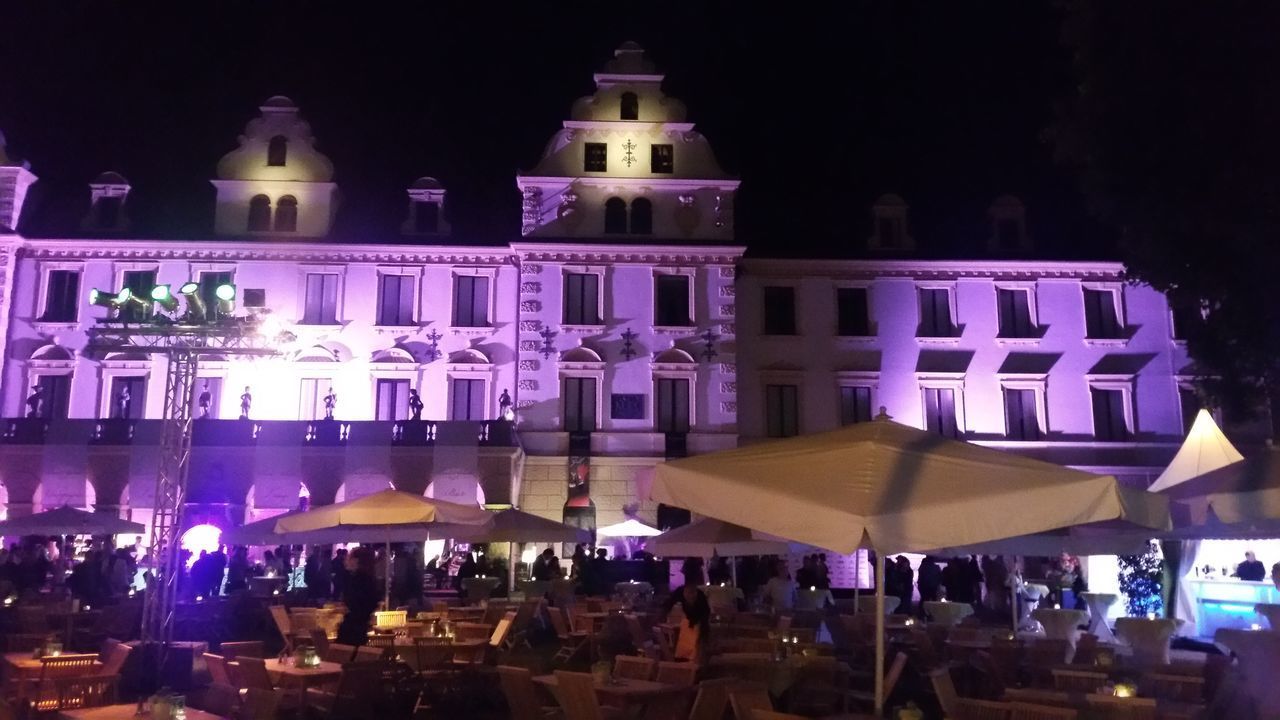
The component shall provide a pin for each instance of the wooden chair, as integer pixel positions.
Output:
(945, 689)
(219, 699)
(472, 631)
(746, 698)
(7, 712)
(1180, 688)
(70, 693)
(219, 673)
(52, 668)
(1078, 680)
(971, 709)
(712, 699)
(369, 654)
(320, 641)
(252, 673)
(784, 624)
(522, 695)
(353, 697)
(1086, 650)
(500, 638)
(114, 658)
(259, 705)
(284, 625)
(571, 643)
(633, 668)
(1027, 711)
(382, 642)
(232, 651)
(683, 674)
(339, 653)
(1109, 707)
(773, 715)
(576, 693)
(891, 677)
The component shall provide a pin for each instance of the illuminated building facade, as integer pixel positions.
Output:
(624, 326)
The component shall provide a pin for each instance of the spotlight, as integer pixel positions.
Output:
(101, 299)
(195, 303)
(124, 296)
(226, 295)
(163, 296)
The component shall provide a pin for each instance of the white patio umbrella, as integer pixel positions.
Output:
(67, 520)
(387, 516)
(1205, 449)
(894, 488)
(628, 528)
(707, 537)
(514, 526)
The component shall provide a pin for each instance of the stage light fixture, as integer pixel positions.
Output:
(195, 303)
(101, 299)
(226, 295)
(162, 295)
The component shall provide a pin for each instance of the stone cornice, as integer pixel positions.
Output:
(634, 126)
(935, 269)
(663, 183)
(626, 254)
(114, 249)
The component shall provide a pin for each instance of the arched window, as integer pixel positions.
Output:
(260, 213)
(641, 216)
(277, 151)
(630, 106)
(615, 215)
(287, 214)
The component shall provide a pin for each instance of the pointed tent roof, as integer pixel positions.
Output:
(628, 528)
(708, 536)
(1206, 449)
(521, 527)
(895, 488)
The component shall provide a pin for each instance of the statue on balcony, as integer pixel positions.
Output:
(505, 411)
(34, 400)
(205, 400)
(124, 401)
(330, 402)
(415, 406)
(246, 400)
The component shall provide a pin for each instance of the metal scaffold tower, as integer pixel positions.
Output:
(183, 346)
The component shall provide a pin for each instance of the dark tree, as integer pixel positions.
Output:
(1173, 130)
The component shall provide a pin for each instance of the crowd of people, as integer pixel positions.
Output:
(103, 572)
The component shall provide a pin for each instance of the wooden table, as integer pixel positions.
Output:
(1170, 709)
(625, 691)
(286, 673)
(126, 712)
(20, 667)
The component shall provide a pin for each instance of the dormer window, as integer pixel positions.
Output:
(107, 210)
(595, 157)
(1008, 224)
(662, 159)
(108, 193)
(287, 214)
(630, 106)
(277, 151)
(260, 214)
(426, 216)
(615, 216)
(889, 224)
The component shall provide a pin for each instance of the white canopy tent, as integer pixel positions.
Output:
(630, 527)
(894, 488)
(708, 536)
(1206, 449)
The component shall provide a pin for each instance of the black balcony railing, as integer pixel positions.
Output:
(224, 433)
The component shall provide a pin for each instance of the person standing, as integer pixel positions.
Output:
(238, 570)
(1251, 569)
(695, 631)
(338, 571)
(600, 573)
(360, 595)
(780, 591)
(930, 579)
(691, 569)
(906, 582)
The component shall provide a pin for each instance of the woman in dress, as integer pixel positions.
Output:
(360, 595)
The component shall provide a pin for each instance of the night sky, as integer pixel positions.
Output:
(818, 108)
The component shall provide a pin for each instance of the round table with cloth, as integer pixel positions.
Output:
(1099, 605)
(632, 592)
(815, 599)
(723, 596)
(1271, 613)
(1031, 594)
(947, 613)
(1060, 624)
(1259, 655)
(1148, 637)
(867, 604)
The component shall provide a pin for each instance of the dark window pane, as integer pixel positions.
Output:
(260, 213)
(630, 106)
(287, 214)
(662, 158)
(55, 395)
(595, 157)
(128, 397)
(109, 211)
(853, 317)
(392, 400)
(1191, 405)
(1109, 422)
(62, 296)
(1015, 313)
(1021, 415)
(468, 401)
(673, 405)
(782, 411)
(581, 299)
(641, 216)
(471, 301)
(672, 301)
(321, 304)
(140, 283)
(277, 151)
(1101, 318)
(426, 216)
(209, 283)
(579, 404)
(935, 313)
(779, 311)
(855, 405)
(395, 300)
(940, 411)
(615, 216)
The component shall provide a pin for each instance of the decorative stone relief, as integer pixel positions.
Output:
(728, 310)
(729, 388)
(532, 326)
(530, 306)
(728, 369)
(528, 384)
(728, 291)
(530, 288)
(729, 407)
(526, 403)
(529, 365)
(530, 345)
(531, 210)
(530, 269)
(728, 271)
(687, 200)
(728, 329)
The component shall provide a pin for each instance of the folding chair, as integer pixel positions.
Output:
(634, 668)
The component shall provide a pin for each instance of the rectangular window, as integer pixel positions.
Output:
(627, 406)
(672, 293)
(55, 396)
(128, 397)
(1109, 423)
(395, 300)
(581, 299)
(855, 404)
(1191, 405)
(321, 300)
(935, 313)
(663, 158)
(140, 283)
(209, 282)
(1014, 307)
(466, 400)
(1102, 315)
(673, 405)
(779, 311)
(853, 317)
(311, 392)
(595, 157)
(1021, 414)
(579, 404)
(208, 390)
(1184, 318)
(470, 301)
(391, 400)
(62, 296)
(782, 410)
(940, 412)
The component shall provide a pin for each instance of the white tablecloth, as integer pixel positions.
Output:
(807, 599)
(1148, 638)
(1099, 605)
(947, 613)
(1060, 624)
(867, 604)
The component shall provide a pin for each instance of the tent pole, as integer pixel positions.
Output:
(879, 634)
(1013, 595)
(733, 570)
(386, 600)
(511, 568)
